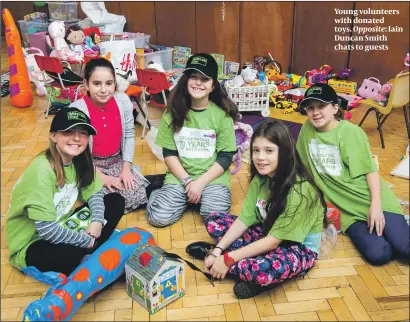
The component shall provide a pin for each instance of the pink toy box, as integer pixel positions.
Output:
(38, 40)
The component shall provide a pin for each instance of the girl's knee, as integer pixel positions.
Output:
(378, 257)
(158, 221)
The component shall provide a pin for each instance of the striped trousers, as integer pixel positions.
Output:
(166, 205)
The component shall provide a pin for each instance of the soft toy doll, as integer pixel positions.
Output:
(76, 39)
(384, 93)
(61, 50)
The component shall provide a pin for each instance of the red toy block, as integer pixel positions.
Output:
(145, 259)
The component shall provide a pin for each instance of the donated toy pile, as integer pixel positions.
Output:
(254, 86)
(154, 278)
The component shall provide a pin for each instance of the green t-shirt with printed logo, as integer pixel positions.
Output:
(36, 197)
(206, 133)
(302, 219)
(339, 161)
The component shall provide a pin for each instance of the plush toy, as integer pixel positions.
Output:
(406, 62)
(156, 66)
(243, 134)
(76, 40)
(61, 50)
(100, 269)
(384, 93)
(121, 82)
(247, 76)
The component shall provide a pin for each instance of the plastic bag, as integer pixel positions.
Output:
(100, 17)
(329, 239)
(150, 138)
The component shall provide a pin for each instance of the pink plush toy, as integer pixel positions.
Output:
(384, 93)
(57, 31)
(243, 134)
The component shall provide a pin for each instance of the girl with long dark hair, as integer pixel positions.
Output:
(198, 140)
(278, 233)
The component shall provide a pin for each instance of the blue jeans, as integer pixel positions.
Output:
(380, 250)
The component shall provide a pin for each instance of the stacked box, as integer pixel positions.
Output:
(63, 10)
(162, 57)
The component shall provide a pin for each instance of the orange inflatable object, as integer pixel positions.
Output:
(21, 94)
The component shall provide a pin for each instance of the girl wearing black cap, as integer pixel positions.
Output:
(198, 140)
(338, 154)
(41, 231)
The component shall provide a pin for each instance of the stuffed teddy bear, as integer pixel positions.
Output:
(61, 50)
(384, 93)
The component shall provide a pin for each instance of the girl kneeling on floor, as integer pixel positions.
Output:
(371, 214)
(278, 233)
(38, 219)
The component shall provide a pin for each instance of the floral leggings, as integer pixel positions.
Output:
(284, 262)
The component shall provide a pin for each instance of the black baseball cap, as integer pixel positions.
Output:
(320, 92)
(203, 63)
(68, 117)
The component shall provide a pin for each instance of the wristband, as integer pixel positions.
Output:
(186, 181)
(228, 260)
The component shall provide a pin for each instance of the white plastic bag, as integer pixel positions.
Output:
(122, 55)
(150, 138)
(100, 17)
(329, 239)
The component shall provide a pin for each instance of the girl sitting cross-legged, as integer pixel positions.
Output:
(278, 233)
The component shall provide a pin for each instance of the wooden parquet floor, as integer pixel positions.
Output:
(341, 288)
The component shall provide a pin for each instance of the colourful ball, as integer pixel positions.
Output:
(348, 115)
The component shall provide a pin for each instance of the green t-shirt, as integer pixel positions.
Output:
(302, 219)
(36, 197)
(339, 161)
(206, 133)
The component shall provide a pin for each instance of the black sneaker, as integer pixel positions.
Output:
(246, 290)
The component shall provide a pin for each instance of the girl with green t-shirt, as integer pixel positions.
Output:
(277, 236)
(198, 141)
(338, 155)
(42, 231)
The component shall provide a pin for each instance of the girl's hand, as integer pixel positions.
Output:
(94, 229)
(208, 262)
(376, 220)
(111, 182)
(127, 178)
(219, 269)
(194, 191)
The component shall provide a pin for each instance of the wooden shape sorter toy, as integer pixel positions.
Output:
(154, 280)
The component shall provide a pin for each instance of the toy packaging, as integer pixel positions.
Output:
(154, 280)
(343, 86)
(220, 59)
(36, 17)
(259, 62)
(231, 69)
(181, 55)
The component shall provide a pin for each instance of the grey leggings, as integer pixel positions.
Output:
(166, 205)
